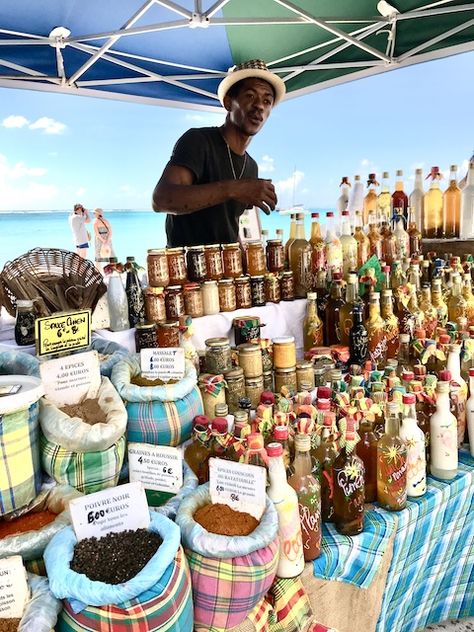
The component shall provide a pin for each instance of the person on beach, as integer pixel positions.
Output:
(103, 238)
(77, 221)
(210, 178)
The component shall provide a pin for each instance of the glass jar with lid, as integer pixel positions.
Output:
(254, 389)
(168, 333)
(286, 377)
(157, 265)
(215, 271)
(256, 258)
(268, 381)
(319, 373)
(235, 388)
(196, 263)
(287, 286)
(174, 301)
(155, 310)
(176, 265)
(250, 359)
(210, 297)
(232, 260)
(193, 303)
(212, 389)
(272, 288)
(227, 300)
(257, 288)
(304, 375)
(145, 336)
(218, 355)
(284, 352)
(275, 255)
(25, 323)
(243, 292)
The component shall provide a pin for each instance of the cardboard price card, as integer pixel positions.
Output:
(238, 485)
(63, 332)
(110, 511)
(14, 591)
(162, 364)
(71, 379)
(159, 468)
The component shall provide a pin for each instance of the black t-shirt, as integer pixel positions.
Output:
(204, 151)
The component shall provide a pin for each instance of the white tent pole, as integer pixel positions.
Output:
(435, 40)
(217, 6)
(419, 13)
(172, 6)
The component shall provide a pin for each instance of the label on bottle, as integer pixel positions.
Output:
(377, 346)
(392, 473)
(239, 485)
(309, 504)
(71, 379)
(14, 591)
(304, 268)
(350, 479)
(416, 464)
(291, 543)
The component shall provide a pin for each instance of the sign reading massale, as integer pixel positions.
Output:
(66, 331)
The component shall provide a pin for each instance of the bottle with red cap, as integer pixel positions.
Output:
(197, 453)
(280, 435)
(433, 207)
(444, 433)
(414, 438)
(325, 455)
(392, 463)
(333, 246)
(470, 412)
(220, 438)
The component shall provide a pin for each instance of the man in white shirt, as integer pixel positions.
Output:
(77, 221)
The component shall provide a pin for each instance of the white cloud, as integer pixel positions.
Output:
(126, 188)
(287, 189)
(365, 162)
(15, 121)
(206, 118)
(80, 191)
(48, 125)
(266, 165)
(19, 188)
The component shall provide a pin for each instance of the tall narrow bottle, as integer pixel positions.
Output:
(384, 200)
(414, 438)
(375, 238)
(117, 302)
(453, 365)
(414, 234)
(362, 241)
(429, 310)
(376, 332)
(402, 240)
(417, 199)
(299, 256)
(343, 199)
(392, 464)
(358, 337)
(456, 302)
(443, 436)
(467, 206)
(399, 197)
(318, 247)
(333, 246)
(367, 451)
(332, 334)
(391, 323)
(291, 238)
(370, 200)
(439, 302)
(356, 199)
(312, 324)
(325, 454)
(433, 207)
(469, 298)
(197, 453)
(135, 297)
(349, 246)
(345, 311)
(452, 206)
(388, 245)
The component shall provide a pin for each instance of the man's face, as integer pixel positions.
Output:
(249, 110)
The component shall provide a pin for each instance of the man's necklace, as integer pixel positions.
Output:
(232, 163)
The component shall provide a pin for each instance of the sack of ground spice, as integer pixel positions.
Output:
(157, 598)
(230, 574)
(160, 415)
(85, 451)
(41, 611)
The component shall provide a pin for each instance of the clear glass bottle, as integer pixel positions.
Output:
(356, 199)
(438, 301)
(370, 199)
(429, 310)
(399, 197)
(375, 238)
(467, 206)
(414, 438)
(392, 464)
(416, 199)
(312, 324)
(117, 302)
(456, 301)
(433, 207)
(443, 436)
(453, 365)
(25, 323)
(349, 246)
(452, 206)
(343, 199)
(402, 239)
(333, 246)
(299, 256)
(197, 453)
(291, 238)
(469, 298)
(384, 200)
(376, 332)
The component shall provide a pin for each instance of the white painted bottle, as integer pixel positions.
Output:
(291, 562)
(414, 437)
(454, 366)
(443, 436)
(470, 412)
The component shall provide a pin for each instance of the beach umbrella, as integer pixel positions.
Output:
(175, 52)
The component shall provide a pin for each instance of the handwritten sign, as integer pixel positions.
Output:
(238, 485)
(163, 364)
(159, 468)
(69, 380)
(110, 511)
(14, 591)
(68, 331)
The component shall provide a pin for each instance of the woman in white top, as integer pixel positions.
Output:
(77, 221)
(103, 238)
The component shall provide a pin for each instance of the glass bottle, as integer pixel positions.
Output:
(438, 302)
(343, 199)
(391, 323)
(322, 294)
(117, 302)
(416, 199)
(25, 323)
(356, 199)
(470, 412)
(358, 337)
(325, 454)
(469, 298)
(135, 297)
(197, 453)
(333, 246)
(366, 450)
(345, 312)
(414, 438)
(363, 242)
(443, 436)
(384, 200)
(456, 301)
(429, 310)
(433, 207)
(453, 365)
(392, 464)
(404, 361)
(255, 453)
(349, 246)
(312, 324)
(291, 238)
(467, 206)
(377, 337)
(375, 238)
(414, 309)
(425, 272)
(399, 197)
(281, 436)
(452, 206)
(424, 407)
(308, 491)
(220, 439)
(402, 239)
(389, 245)
(331, 329)
(318, 247)
(406, 320)
(299, 256)
(370, 200)
(283, 496)
(349, 494)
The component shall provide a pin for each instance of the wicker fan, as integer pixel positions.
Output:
(57, 280)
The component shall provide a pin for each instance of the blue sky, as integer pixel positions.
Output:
(56, 150)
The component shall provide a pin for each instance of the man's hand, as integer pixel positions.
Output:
(255, 192)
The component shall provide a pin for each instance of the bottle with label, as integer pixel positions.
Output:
(299, 256)
(343, 199)
(452, 206)
(362, 241)
(331, 329)
(399, 197)
(370, 199)
(429, 310)
(349, 246)
(358, 337)
(438, 301)
(453, 365)
(134, 292)
(333, 246)
(402, 239)
(345, 312)
(391, 323)
(443, 436)
(376, 332)
(433, 207)
(283, 496)
(392, 464)
(308, 491)
(414, 438)
(467, 206)
(349, 493)
(312, 324)
(424, 408)
(375, 238)
(384, 200)
(416, 199)
(470, 412)
(456, 301)
(325, 454)
(197, 453)
(318, 247)
(117, 302)
(417, 313)
(414, 235)
(389, 245)
(366, 449)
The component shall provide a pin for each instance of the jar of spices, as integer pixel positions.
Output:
(25, 323)
(253, 390)
(256, 258)
(227, 302)
(196, 263)
(284, 352)
(268, 381)
(235, 388)
(218, 355)
(319, 373)
(250, 359)
(275, 255)
(168, 333)
(257, 288)
(145, 336)
(286, 377)
(243, 293)
(212, 389)
(157, 265)
(272, 289)
(287, 286)
(232, 260)
(210, 298)
(174, 302)
(214, 267)
(155, 310)
(304, 375)
(176, 265)
(193, 303)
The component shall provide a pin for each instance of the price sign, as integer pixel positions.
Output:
(238, 485)
(110, 511)
(68, 380)
(14, 591)
(68, 331)
(159, 468)
(162, 364)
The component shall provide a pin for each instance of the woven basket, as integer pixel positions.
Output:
(57, 280)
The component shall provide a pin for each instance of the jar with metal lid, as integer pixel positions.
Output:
(174, 301)
(157, 265)
(243, 293)
(218, 355)
(272, 289)
(286, 377)
(235, 388)
(250, 359)
(210, 298)
(256, 258)
(145, 336)
(193, 303)
(232, 260)
(304, 375)
(196, 263)
(284, 352)
(168, 334)
(253, 390)
(212, 389)
(287, 286)
(257, 288)
(268, 381)
(25, 323)
(275, 255)
(176, 265)
(155, 310)
(214, 268)
(226, 289)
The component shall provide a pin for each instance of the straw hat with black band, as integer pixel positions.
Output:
(255, 69)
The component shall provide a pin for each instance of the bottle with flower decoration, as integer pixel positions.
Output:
(392, 463)
(414, 438)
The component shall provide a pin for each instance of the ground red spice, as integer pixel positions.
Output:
(9, 625)
(29, 522)
(223, 520)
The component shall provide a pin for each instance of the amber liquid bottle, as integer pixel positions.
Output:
(389, 245)
(299, 256)
(358, 337)
(384, 200)
(363, 243)
(345, 312)
(375, 238)
(318, 247)
(291, 239)
(325, 454)
(391, 323)
(438, 302)
(456, 302)
(399, 197)
(197, 453)
(376, 332)
(366, 449)
(452, 206)
(370, 200)
(392, 464)
(429, 310)
(433, 207)
(312, 324)
(335, 302)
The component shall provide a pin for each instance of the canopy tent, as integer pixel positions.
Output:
(174, 52)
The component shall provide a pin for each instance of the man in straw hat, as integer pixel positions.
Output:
(210, 179)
